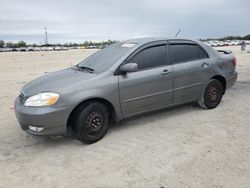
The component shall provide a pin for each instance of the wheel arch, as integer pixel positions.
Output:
(111, 109)
(222, 80)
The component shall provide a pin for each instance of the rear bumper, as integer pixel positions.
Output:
(231, 79)
(53, 121)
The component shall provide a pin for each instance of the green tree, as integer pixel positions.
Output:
(10, 45)
(21, 44)
(2, 43)
(247, 37)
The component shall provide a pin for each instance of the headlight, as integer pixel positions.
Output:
(42, 99)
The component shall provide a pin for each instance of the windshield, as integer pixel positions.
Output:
(103, 59)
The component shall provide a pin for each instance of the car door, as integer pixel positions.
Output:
(152, 85)
(191, 66)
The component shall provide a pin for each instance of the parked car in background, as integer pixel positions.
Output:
(15, 49)
(228, 43)
(123, 80)
(57, 48)
(37, 49)
(23, 50)
(216, 43)
(221, 43)
(247, 42)
(65, 48)
(30, 49)
(234, 43)
(207, 43)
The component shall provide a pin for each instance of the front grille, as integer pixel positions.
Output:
(22, 97)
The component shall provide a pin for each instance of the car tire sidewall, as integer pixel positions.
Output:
(219, 87)
(80, 123)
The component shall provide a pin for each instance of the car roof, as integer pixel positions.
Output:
(145, 40)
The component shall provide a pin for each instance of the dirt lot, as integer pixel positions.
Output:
(183, 146)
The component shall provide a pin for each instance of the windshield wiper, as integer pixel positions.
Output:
(90, 70)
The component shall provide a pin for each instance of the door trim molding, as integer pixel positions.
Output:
(147, 96)
(185, 87)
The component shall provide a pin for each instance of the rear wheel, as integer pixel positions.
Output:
(91, 122)
(212, 95)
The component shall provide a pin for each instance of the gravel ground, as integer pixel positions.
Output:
(184, 146)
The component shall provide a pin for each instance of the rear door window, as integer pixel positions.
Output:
(184, 52)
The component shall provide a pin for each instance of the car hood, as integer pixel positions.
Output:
(56, 81)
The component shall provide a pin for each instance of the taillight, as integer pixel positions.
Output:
(234, 61)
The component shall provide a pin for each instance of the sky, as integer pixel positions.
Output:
(97, 20)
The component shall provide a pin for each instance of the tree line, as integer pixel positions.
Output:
(21, 44)
(12, 44)
(246, 37)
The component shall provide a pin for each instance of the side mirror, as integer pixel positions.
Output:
(129, 67)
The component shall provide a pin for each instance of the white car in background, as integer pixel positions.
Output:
(43, 48)
(2, 49)
(57, 48)
(207, 43)
(218, 43)
(234, 43)
(37, 49)
(210, 43)
(221, 43)
(247, 42)
(215, 43)
(64, 48)
(228, 43)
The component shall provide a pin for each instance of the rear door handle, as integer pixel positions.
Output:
(205, 65)
(165, 72)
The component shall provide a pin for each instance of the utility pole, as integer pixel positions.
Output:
(46, 36)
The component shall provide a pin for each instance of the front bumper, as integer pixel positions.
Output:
(52, 120)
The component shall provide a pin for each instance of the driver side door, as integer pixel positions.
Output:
(151, 87)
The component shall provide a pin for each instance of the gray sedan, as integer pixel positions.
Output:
(123, 80)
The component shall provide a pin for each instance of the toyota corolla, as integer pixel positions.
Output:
(123, 80)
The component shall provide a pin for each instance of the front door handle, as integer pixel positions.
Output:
(165, 72)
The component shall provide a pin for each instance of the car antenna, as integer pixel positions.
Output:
(176, 35)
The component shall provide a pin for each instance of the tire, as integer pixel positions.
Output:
(212, 95)
(91, 122)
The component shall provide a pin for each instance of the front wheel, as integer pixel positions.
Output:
(212, 95)
(91, 122)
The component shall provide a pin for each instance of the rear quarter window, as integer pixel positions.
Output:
(202, 53)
